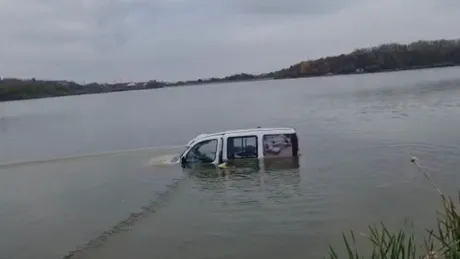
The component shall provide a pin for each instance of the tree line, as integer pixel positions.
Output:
(386, 57)
(18, 89)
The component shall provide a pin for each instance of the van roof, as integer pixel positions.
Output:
(251, 130)
(243, 131)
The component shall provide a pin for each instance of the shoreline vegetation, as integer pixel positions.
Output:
(384, 58)
(440, 242)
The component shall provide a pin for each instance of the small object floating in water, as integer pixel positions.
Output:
(220, 147)
(223, 166)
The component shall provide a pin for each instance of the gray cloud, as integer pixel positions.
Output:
(290, 7)
(106, 40)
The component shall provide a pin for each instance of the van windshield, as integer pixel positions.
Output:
(177, 157)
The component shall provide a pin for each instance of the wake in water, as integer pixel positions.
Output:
(149, 209)
(163, 160)
(163, 155)
(158, 160)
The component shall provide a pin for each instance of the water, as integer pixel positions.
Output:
(356, 134)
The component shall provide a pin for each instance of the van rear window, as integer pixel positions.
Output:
(280, 145)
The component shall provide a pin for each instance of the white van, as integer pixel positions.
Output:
(220, 147)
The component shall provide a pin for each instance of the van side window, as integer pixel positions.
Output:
(203, 152)
(279, 145)
(242, 147)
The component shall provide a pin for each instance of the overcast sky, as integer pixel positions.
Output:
(108, 40)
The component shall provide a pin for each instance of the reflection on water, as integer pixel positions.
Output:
(246, 172)
(284, 163)
(244, 167)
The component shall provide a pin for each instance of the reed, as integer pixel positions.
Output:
(441, 242)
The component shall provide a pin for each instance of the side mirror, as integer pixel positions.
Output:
(182, 161)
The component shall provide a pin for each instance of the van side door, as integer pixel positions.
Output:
(241, 147)
(205, 151)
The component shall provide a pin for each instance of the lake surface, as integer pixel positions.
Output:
(356, 136)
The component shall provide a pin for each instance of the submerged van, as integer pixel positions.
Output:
(221, 147)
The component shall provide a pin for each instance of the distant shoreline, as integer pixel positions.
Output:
(384, 58)
(376, 72)
(237, 81)
(240, 81)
